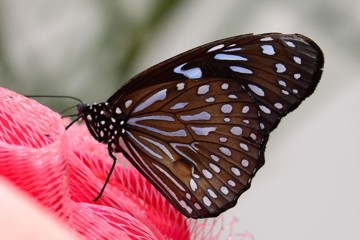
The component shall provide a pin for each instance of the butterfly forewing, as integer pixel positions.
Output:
(196, 125)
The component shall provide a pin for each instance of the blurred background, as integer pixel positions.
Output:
(309, 187)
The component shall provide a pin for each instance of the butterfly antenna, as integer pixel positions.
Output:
(54, 96)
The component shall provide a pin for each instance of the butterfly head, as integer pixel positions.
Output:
(100, 120)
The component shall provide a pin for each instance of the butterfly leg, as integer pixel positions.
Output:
(109, 174)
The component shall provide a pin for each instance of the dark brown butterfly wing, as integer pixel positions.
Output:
(196, 125)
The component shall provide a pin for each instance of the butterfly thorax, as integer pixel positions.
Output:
(102, 120)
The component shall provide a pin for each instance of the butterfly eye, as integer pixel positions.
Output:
(197, 124)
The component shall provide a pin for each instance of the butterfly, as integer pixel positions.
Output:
(196, 125)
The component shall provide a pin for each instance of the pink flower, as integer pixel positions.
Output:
(65, 170)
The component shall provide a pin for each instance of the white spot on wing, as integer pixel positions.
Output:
(235, 171)
(226, 108)
(297, 59)
(212, 193)
(180, 86)
(206, 201)
(268, 50)
(265, 39)
(193, 185)
(225, 151)
(203, 89)
(236, 131)
(290, 44)
(214, 167)
(265, 109)
(280, 68)
(128, 103)
(224, 190)
(256, 90)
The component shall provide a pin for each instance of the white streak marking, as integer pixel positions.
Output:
(290, 44)
(149, 150)
(229, 57)
(227, 119)
(161, 95)
(179, 105)
(232, 49)
(256, 90)
(203, 131)
(161, 146)
(192, 73)
(217, 47)
(265, 39)
(268, 50)
(178, 133)
(196, 117)
(241, 70)
(175, 145)
(280, 68)
(232, 96)
(169, 177)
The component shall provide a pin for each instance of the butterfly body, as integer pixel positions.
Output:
(197, 124)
